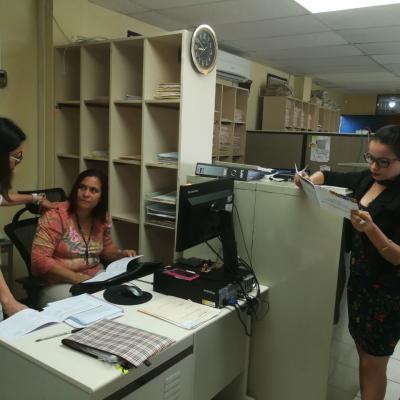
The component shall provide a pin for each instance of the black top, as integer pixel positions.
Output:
(385, 212)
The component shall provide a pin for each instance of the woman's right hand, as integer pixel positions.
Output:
(297, 179)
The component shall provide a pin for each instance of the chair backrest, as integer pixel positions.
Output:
(54, 194)
(21, 234)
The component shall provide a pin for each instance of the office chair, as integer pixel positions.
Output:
(21, 232)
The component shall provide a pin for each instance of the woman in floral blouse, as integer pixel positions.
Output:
(71, 240)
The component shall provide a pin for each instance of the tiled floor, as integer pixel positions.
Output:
(343, 371)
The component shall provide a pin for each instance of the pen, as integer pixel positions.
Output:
(58, 334)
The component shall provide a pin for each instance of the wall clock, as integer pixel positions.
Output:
(204, 49)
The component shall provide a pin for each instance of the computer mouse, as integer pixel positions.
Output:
(131, 291)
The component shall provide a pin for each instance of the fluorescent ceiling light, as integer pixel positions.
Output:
(317, 6)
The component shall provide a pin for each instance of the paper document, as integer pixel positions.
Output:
(79, 312)
(328, 198)
(180, 312)
(103, 310)
(114, 269)
(22, 323)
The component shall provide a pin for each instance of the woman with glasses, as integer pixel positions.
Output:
(71, 240)
(11, 143)
(373, 290)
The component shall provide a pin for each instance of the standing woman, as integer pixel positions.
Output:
(11, 141)
(373, 290)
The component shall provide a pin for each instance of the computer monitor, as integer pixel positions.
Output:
(204, 213)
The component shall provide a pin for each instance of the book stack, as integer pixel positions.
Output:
(161, 214)
(171, 157)
(168, 91)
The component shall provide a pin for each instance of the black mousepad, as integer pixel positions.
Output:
(113, 295)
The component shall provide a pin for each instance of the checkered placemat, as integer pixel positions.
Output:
(132, 344)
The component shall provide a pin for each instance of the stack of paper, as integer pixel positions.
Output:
(133, 97)
(164, 214)
(168, 91)
(168, 157)
(167, 198)
(180, 312)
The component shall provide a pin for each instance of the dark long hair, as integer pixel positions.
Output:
(11, 137)
(389, 135)
(100, 211)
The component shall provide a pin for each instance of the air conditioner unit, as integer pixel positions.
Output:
(232, 67)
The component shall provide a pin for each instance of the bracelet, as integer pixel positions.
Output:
(384, 248)
(37, 198)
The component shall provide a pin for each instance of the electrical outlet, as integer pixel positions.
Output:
(3, 78)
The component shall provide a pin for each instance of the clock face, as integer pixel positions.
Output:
(204, 49)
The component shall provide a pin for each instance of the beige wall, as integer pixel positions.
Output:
(19, 100)
(73, 18)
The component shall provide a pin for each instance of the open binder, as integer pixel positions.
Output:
(114, 342)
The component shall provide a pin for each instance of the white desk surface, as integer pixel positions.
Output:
(90, 374)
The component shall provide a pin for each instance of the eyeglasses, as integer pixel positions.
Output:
(17, 159)
(381, 162)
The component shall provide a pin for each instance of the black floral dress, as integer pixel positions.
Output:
(374, 310)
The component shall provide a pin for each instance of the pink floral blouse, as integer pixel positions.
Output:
(58, 240)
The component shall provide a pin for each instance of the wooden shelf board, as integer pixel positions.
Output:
(162, 165)
(126, 218)
(66, 155)
(226, 121)
(169, 228)
(91, 158)
(169, 103)
(68, 103)
(124, 161)
(96, 103)
(128, 103)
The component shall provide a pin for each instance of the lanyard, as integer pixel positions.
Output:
(87, 242)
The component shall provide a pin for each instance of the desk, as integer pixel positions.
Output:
(199, 365)
(7, 247)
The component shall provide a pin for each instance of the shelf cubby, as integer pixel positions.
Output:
(125, 189)
(67, 127)
(95, 131)
(127, 69)
(162, 131)
(162, 64)
(67, 169)
(125, 234)
(228, 104)
(126, 128)
(67, 64)
(96, 71)
(160, 243)
(92, 163)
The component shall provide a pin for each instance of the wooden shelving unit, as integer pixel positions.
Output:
(229, 139)
(287, 113)
(108, 116)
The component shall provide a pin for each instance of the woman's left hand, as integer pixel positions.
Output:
(362, 221)
(128, 253)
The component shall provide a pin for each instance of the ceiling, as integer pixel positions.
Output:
(352, 51)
